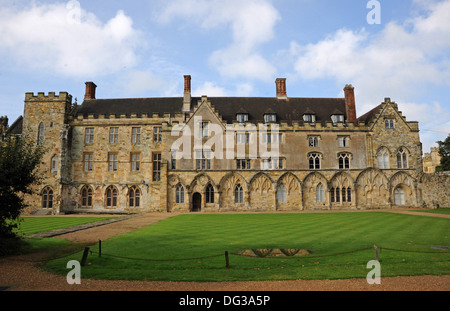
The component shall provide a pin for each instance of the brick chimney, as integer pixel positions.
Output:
(350, 107)
(90, 90)
(187, 94)
(281, 88)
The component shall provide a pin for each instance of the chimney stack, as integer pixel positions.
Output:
(187, 94)
(350, 107)
(281, 88)
(3, 124)
(90, 90)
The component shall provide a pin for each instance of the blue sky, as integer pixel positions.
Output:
(142, 48)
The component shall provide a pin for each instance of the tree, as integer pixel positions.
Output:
(19, 160)
(444, 151)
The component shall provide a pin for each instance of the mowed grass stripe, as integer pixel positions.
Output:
(198, 235)
(30, 225)
(262, 233)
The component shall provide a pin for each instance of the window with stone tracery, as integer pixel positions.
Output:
(281, 193)
(402, 158)
(344, 160)
(86, 196)
(320, 193)
(238, 194)
(383, 158)
(314, 160)
(134, 197)
(179, 194)
(209, 194)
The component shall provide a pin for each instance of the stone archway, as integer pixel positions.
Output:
(310, 197)
(372, 189)
(262, 195)
(402, 186)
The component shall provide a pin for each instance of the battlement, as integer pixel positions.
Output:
(40, 96)
(305, 126)
(176, 119)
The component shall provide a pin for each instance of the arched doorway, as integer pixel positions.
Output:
(196, 202)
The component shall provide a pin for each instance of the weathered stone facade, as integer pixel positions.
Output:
(124, 154)
(434, 189)
(431, 160)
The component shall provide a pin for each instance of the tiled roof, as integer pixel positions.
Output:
(368, 116)
(16, 127)
(288, 110)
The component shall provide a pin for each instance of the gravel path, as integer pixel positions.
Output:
(22, 274)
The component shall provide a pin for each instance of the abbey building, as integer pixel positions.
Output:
(223, 153)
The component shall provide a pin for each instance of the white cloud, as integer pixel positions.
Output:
(66, 39)
(231, 63)
(142, 81)
(251, 22)
(330, 57)
(393, 60)
(210, 89)
(244, 89)
(389, 63)
(402, 62)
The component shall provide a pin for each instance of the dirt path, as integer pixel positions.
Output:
(19, 274)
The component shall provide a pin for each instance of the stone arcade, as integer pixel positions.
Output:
(121, 155)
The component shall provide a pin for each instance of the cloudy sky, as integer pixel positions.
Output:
(142, 48)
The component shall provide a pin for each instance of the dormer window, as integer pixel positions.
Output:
(309, 118)
(335, 118)
(242, 118)
(270, 117)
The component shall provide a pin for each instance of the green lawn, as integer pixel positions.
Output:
(200, 235)
(30, 225)
(441, 210)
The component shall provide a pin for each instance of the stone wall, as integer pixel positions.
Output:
(435, 190)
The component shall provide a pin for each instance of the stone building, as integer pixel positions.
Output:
(431, 160)
(222, 153)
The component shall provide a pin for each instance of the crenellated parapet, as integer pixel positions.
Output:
(42, 97)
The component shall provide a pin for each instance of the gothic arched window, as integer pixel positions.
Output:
(314, 160)
(47, 197)
(238, 194)
(209, 194)
(179, 194)
(320, 193)
(134, 196)
(402, 158)
(111, 197)
(86, 196)
(281, 193)
(383, 158)
(344, 160)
